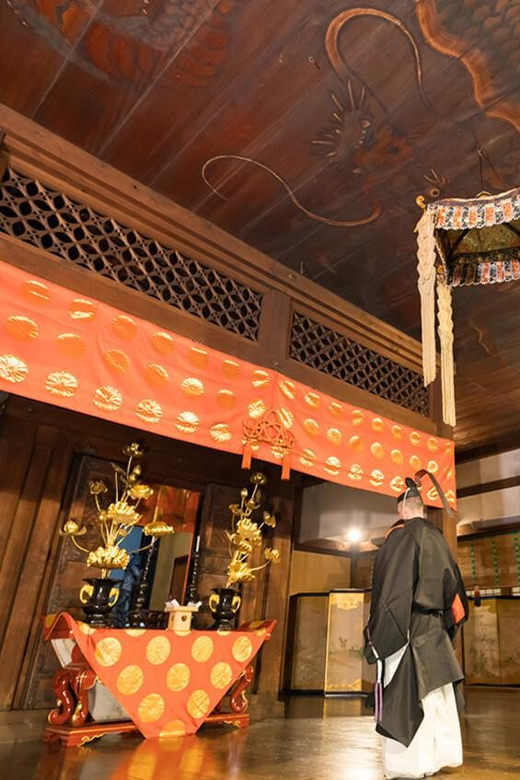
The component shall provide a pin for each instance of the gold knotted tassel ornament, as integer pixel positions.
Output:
(270, 430)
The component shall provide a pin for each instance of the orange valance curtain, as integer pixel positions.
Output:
(81, 354)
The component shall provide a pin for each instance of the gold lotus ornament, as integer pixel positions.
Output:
(133, 450)
(115, 519)
(122, 513)
(71, 528)
(248, 525)
(97, 487)
(140, 491)
(269, 520)
(239, 571)
(158, 528)
(109, 557)
(247, 534)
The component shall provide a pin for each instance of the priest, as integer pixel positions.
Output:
(418, 603)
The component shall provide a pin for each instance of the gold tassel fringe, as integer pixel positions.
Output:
(426, 267)
(446, 338)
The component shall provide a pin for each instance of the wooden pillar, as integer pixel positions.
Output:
(447, 523)
(276, 596)
(275, 326)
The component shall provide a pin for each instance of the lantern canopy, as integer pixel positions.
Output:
(462, 242)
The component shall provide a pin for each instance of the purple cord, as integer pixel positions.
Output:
(378, 689)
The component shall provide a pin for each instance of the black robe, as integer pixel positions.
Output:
(417, 596)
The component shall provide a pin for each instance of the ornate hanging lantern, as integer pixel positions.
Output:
(462, 242)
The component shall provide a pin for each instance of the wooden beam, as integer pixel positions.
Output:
(489, 487)
(492, 530)
(275, 326)
(495, 446)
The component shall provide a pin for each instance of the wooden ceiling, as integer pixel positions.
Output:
(306, 129)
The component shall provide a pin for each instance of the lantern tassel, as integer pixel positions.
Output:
(445, 315)
(426, 268)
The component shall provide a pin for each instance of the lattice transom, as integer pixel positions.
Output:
(322, 348)
(51, 220)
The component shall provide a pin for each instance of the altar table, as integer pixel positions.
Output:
(168, 682)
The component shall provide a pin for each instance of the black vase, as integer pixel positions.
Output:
(224, 604)
(98, 598)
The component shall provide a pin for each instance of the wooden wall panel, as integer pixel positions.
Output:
(16, 657)
(24, 520)
(276, 595)
(486, 567)
(214, 545)
(15, 454)
(361, 570)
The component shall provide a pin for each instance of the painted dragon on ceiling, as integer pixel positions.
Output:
(118, 38)
(131, 40)
(481, 34)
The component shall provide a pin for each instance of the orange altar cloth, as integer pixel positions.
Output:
(169, 683)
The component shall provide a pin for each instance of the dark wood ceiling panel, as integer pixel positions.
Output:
(240, 131)
(119, 58)
(25, 80)
(178, 113)
(487, 327)
(345, 113)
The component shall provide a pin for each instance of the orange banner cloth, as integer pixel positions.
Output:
(167, 682)
(82, 354)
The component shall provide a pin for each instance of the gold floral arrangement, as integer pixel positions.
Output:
(116, 520)
(247, 534)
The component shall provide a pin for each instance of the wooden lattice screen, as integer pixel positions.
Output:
(46, 218)
(322, 348)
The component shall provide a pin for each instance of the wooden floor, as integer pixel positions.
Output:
(318, 740)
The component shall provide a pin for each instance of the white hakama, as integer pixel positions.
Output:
(437, 743)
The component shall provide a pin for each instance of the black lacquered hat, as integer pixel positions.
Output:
(411, 491)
